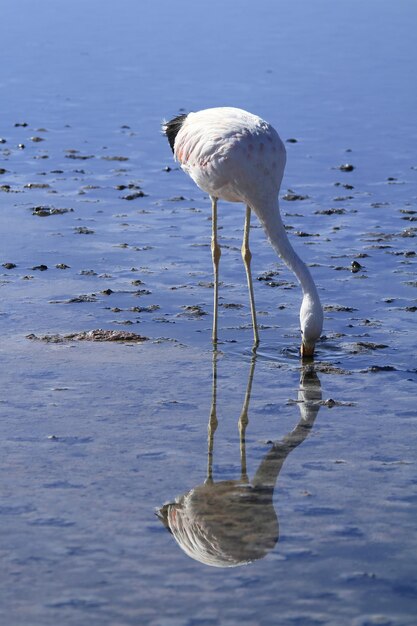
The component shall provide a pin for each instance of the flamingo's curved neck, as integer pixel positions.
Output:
(270, 218)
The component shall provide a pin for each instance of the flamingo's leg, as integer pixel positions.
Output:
(247, 256)
(216, 253)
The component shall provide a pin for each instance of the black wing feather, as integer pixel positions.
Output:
(172, 128)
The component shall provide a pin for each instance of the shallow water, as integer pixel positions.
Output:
(98, 437)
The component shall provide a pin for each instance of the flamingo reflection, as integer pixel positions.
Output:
(233, 522)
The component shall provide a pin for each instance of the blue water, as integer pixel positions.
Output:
(96, 438)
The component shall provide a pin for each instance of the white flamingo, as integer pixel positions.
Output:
(236, 156)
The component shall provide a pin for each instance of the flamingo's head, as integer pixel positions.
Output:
(311, 321)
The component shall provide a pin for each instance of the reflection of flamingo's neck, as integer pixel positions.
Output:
(270, 467)
(309, 404)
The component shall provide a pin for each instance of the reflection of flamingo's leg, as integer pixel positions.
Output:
(212, 425)
(244, 421)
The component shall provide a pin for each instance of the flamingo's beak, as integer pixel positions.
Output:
(162, 514)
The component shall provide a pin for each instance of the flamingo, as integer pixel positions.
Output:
(236, 156)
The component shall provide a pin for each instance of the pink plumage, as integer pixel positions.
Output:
(238, 157)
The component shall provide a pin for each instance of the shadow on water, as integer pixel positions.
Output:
(233, 522)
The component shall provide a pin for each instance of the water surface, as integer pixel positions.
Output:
(300, 479)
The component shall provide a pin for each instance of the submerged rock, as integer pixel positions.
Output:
(83, 230)
(231, 305)
(268, 275)
(364, 346)
(81, 157)
(115, 158)
(40, 268)
(302, 233)
(134, 196)
(330, 212)
(44, 211)
(332, 308)
(290, 196)
(91, 335)
(355, 267)
(193, 311)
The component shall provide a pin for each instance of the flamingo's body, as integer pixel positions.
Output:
(236, 156)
